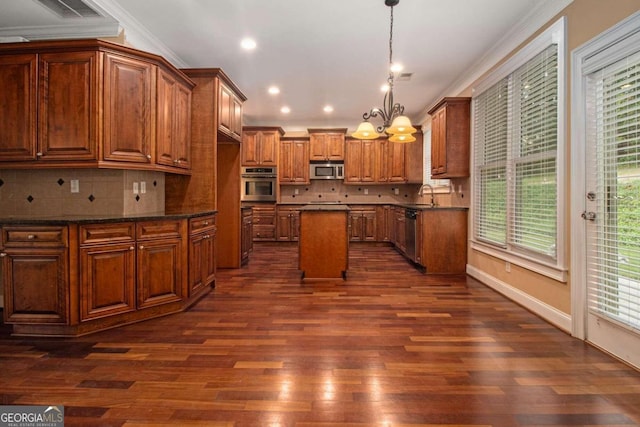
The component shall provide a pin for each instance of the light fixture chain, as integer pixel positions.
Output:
(391, 43)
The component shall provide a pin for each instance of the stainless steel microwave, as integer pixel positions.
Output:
(326, 170)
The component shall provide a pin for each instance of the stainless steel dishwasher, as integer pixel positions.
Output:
(411, 216)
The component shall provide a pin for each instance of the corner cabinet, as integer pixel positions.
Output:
(117, 97)
(450, 138)
(83, 277)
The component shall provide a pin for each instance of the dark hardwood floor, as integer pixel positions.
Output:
(387, 347)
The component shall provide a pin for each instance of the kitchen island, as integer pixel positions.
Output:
(324, 241)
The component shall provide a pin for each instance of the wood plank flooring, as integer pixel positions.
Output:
(387, 347)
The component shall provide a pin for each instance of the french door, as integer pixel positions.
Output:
(611, 197)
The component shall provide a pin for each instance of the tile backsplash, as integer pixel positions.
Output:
(48, 192)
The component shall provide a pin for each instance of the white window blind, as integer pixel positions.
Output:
(515, 159)
(614, 267)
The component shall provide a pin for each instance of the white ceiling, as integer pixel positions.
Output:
(317, 51)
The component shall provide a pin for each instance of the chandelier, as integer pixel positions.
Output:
(394, 122)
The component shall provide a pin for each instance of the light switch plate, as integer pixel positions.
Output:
(75, 186)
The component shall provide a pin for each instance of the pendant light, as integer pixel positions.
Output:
(394, 122)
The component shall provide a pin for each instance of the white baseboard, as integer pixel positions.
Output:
(550, 314)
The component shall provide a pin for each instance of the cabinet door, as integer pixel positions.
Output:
(438, 142)
(353, 160)
(236, 128)
(229, 113)
(35, 285)
(128, 120)
(301, 162)
(18, 122)
(166, 96)
(201, 261)
(369, 226)
(182, 127)
(268, 146)
(355, 226)
(335, 146)
(107, 284)
(68, 106)
(396, 162)
(283, 225)
(159, 272)
(369, 160)
(317, 147)
(249, 151)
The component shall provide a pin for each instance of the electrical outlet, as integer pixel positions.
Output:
(396, 191)
(366, 191)
(135, 188)
(75, 186)
(296, 191)
(143, 187)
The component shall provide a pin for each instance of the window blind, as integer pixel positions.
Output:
(614, 267)
(515, 152)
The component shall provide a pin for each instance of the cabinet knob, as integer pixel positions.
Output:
(141, 247)
(131, 248)
(176, 161)
(39, 154)
(31, 236)
(206, 223)
(149, 156)
(3, 254)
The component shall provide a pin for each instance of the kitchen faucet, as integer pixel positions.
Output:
(421, 193)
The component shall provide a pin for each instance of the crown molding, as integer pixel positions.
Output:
(81, 31)
(136, 34)
(540, 15)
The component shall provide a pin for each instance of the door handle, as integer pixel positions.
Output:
(591, 216)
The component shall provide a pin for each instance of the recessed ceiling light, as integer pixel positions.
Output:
(328, 109)
(248, 44)
(285, 110)
(274, 90)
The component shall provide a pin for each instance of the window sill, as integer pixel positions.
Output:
(552, 271)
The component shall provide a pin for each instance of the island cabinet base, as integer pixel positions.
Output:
(323, 244)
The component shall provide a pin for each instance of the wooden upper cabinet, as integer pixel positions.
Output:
(260, 146)
(230, 102)
(68, 85)
(129, 122)
(326, 144)
(293, 166)
(91, 103)
(18, 90)
(450, 138)
(173, 134)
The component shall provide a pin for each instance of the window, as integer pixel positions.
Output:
(518, 145)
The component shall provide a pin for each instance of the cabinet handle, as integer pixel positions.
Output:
(31, 236)
(39, 154)
(206, 223)
(176, 161)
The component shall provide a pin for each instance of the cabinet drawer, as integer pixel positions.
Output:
(158, 229)
(264, 219)
(201, 223)
(262, 232)
(34, 236)
(107, 233)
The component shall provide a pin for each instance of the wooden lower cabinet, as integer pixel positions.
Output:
(35, 275)
(202, 254)
(264, 222)
(287, 223)
(247, 234)
(363, 224)
(442, 241)
(80, 278)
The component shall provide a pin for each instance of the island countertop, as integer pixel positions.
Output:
(99, 219)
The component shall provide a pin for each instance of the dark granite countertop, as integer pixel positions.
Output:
(100, 219)
(333, 207)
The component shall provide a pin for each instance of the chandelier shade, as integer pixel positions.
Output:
(392, 113)
(365, 131)
(402, 138)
